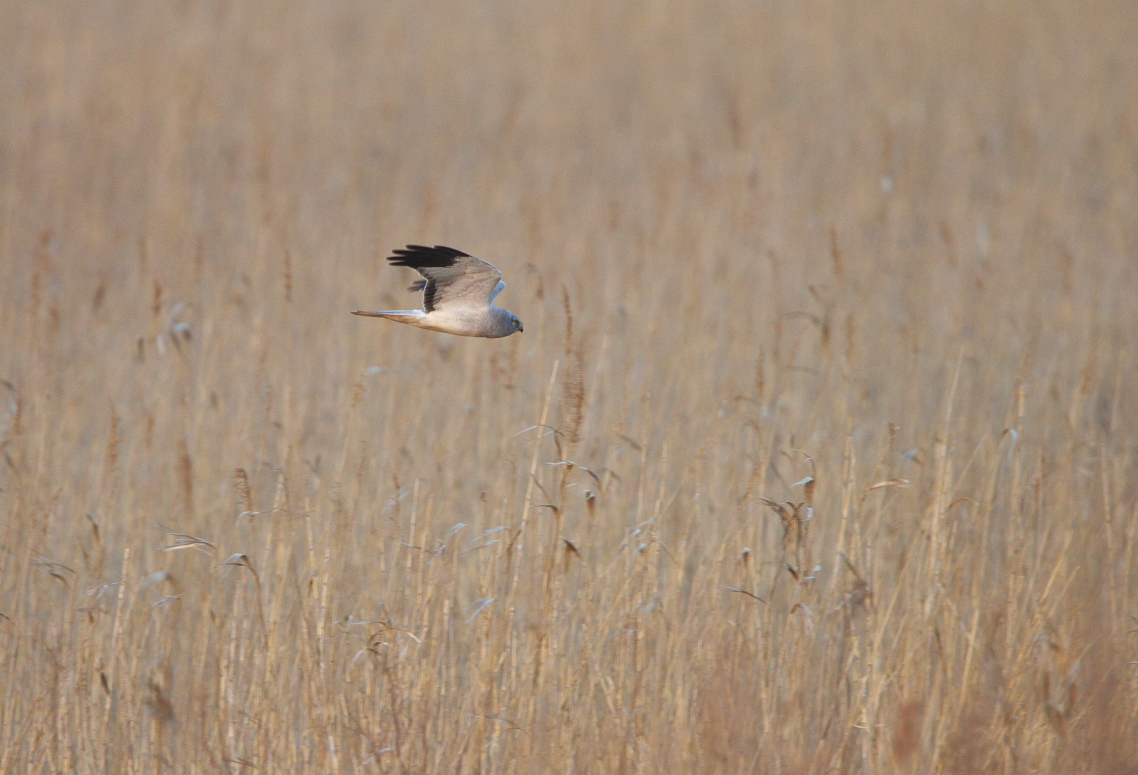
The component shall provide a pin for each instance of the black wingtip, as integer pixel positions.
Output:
(416, 256)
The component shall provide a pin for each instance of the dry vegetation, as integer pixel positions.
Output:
(819, 453)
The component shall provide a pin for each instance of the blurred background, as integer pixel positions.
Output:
(817, 453)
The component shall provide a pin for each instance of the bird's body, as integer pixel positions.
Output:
(461, 322)
(458, 294)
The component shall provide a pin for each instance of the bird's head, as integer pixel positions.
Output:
(516, 323)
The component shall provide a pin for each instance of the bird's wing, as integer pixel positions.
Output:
(419, 285)
(451, 278)
(501, 286)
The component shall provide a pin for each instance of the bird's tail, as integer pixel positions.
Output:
(410, 316)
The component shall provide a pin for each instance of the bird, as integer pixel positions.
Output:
(458, 294)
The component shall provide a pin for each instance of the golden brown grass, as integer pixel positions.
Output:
(819, 452)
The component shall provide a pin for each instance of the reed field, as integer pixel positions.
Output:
(818, 453)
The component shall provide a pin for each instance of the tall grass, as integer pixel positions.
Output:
(819, 452)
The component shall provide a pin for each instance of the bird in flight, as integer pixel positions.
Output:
(458, 294)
